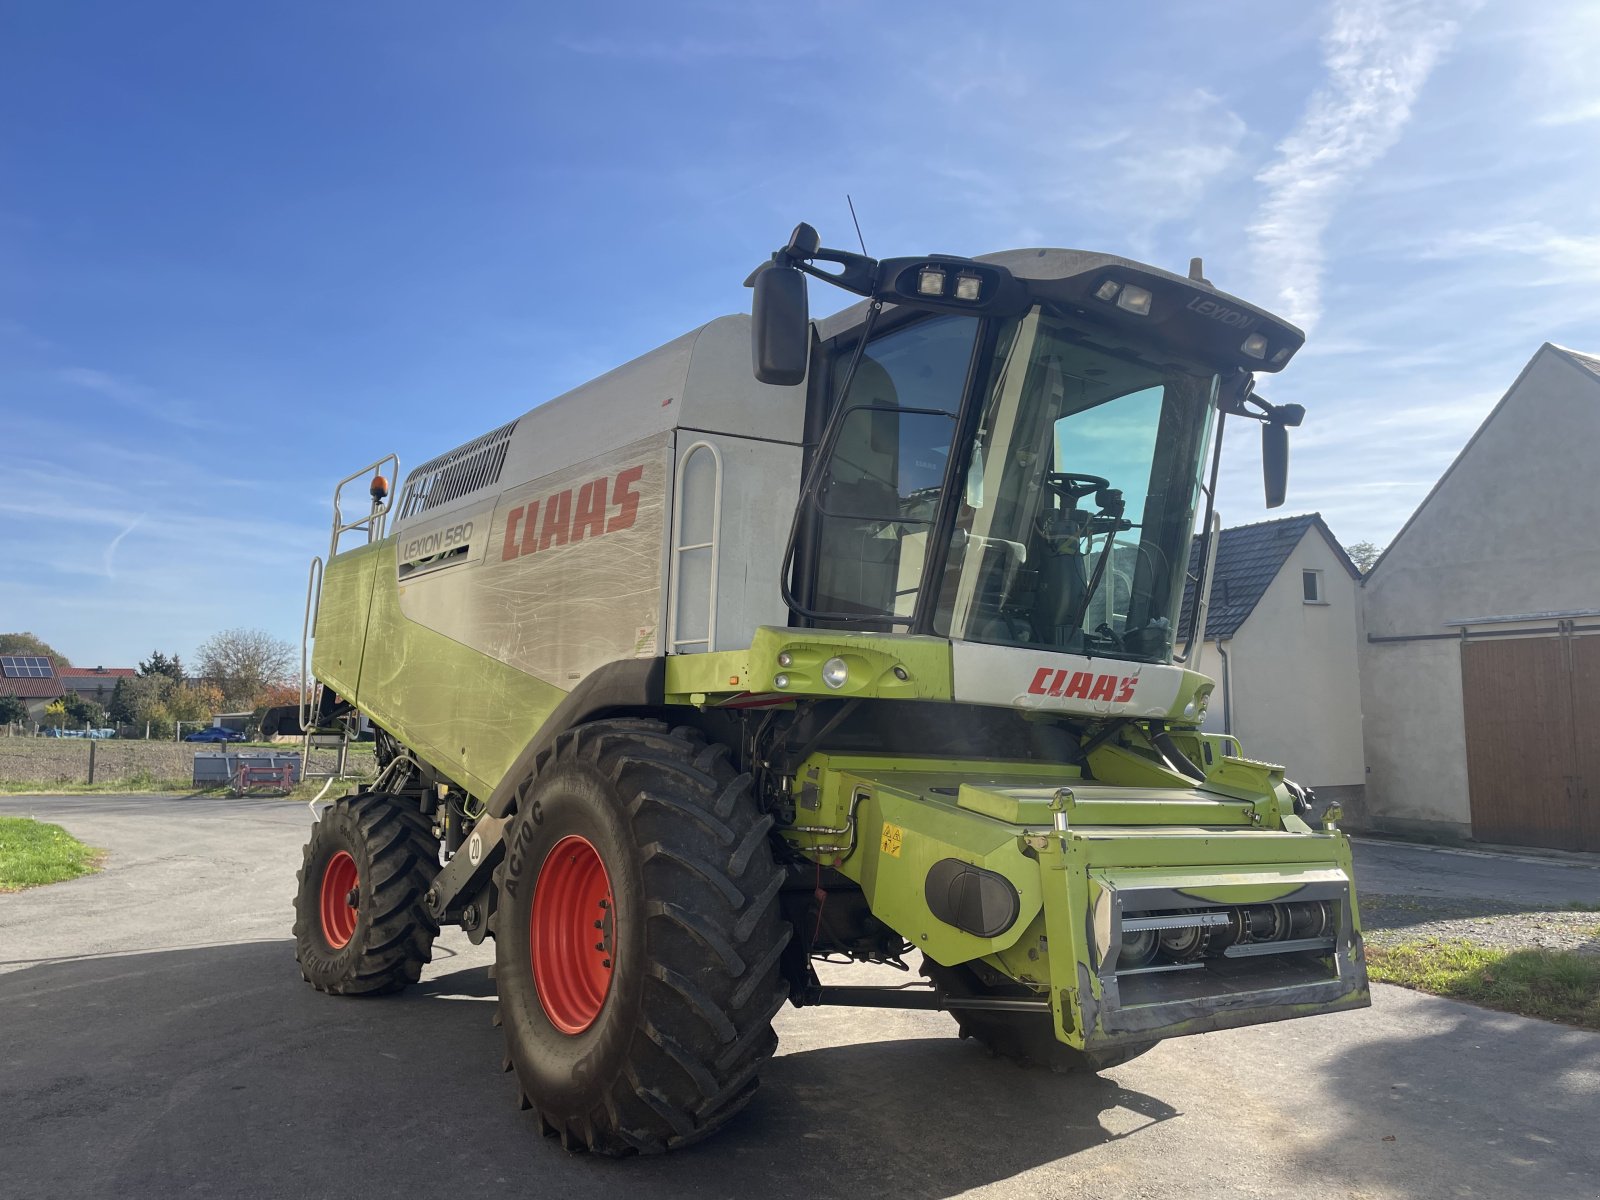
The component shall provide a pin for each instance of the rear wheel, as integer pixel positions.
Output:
(360, 924)
(638, 939)
(1028, 1039)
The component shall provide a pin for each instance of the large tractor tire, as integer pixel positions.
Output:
(360, 926)
(1026, 1038)
(637, 940)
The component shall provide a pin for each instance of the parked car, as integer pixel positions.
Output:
(215, 733)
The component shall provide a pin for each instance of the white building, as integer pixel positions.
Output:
(1480, 670)
(1281, 640)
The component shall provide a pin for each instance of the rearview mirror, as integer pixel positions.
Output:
(780, 326)
(1275, 462)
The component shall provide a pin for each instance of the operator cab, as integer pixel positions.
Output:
(1021, 469)
(1072, 484)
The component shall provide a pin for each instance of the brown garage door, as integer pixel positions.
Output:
(1532, 710)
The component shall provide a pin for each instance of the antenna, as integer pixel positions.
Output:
(859, 238)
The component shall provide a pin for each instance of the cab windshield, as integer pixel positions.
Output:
(1072, 531)
(1074, 490)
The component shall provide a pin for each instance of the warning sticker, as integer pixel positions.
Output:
(890, 843)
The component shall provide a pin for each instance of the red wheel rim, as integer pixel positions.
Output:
(340, 892)
(572, 934)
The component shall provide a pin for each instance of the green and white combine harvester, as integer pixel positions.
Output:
(687, 680)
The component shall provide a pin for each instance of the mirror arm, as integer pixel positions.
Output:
(857, 273)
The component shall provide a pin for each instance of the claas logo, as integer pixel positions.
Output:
(609, 504)
(1083, 685)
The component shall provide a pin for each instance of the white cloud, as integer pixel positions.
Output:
(1164, 170)
(686, 49)
(1571, 257)
(1378, 54)
(135, 397)
(111, 546)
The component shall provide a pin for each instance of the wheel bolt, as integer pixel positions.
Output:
(605, 962)
(353, 899)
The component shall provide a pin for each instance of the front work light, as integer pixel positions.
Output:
(968, 286)
(1255, 346)
(835, 672)
(1135, 300)
(930, 281)
(1107, 291)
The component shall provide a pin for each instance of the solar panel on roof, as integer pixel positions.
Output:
(25, 666)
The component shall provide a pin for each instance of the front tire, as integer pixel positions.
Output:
(361, 927)
(638, 939)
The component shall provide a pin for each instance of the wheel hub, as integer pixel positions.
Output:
(340, 899)
(572, 934)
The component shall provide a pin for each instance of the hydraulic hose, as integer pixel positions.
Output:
(1162, 740)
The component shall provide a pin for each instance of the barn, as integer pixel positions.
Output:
(1480, 660)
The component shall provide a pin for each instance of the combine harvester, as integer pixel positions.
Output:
(686, 680)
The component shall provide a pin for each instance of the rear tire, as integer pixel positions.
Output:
(379, 851)
(638, 939)
(1028, 1039)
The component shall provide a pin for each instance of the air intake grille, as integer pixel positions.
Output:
(461, 472)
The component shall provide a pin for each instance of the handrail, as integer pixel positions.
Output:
(679, 549)
(1208, 570)
(375, 522)
(308, 630)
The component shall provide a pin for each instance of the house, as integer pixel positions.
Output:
(31, 678)
(1480, 671)
(1281, 637)
(93, 683)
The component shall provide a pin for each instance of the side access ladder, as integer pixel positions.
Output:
(379, 477)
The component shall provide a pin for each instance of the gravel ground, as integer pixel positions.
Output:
(1388, 920)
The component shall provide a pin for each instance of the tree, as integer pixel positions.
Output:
(13, 710)
(159, 664)
(55, 714)
(194, 705)
(82, 711)
(26, 643)
(120, 707)
(244, 663)
(1364, 555)
(143, 699)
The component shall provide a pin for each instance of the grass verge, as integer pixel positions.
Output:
(33, 853)
(1556, 985)
(142, 782)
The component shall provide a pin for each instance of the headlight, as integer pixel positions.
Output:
(834, 672)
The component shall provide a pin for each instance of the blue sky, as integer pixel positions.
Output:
(245, 249)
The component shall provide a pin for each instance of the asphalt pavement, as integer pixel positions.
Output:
(1402, 869)
(156, 1040)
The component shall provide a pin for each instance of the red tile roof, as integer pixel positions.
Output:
(32, 689)
(98, 672)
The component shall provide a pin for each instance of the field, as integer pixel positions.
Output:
(56, 764)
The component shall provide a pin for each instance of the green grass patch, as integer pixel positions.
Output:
(33, 853)
(1556, 985)
(1582, 906)
(139, 781)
